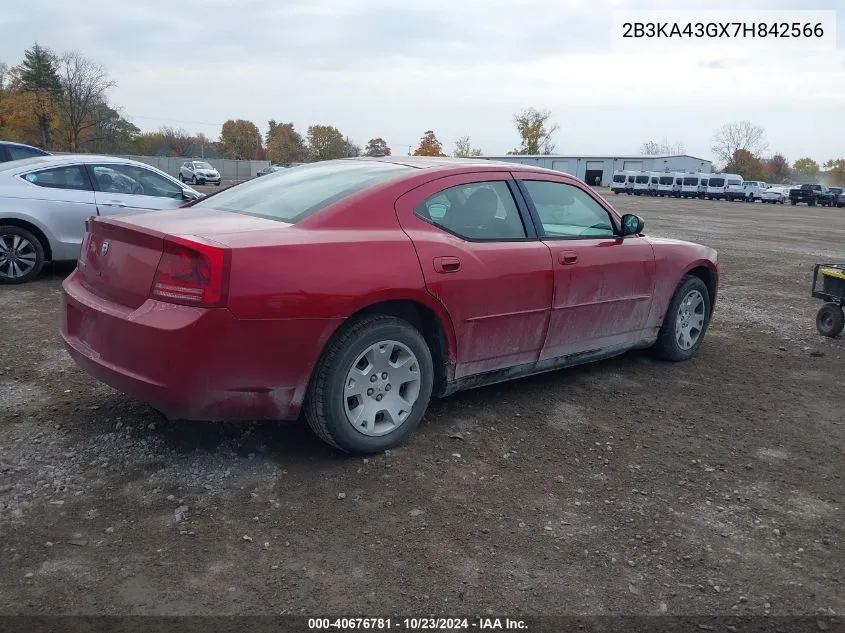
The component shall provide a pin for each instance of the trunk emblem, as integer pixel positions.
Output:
(104, 249)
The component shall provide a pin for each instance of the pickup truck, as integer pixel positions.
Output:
(812, 195)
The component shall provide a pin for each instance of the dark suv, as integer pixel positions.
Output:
(18, 151)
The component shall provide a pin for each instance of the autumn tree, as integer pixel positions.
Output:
(464, 148)
(178, 141)
(38, 76)
(806, 169)
(148, 143)
(352, 148)
(203, 142)
(325, 142)
(535, 131)
(742, 135)
(84, 86)
(777, 169)
(284, 144)
(836, 171)
(662, 148)
(429, 145)
(746, 165)
(377, 147)
(239, 138)
(112, 134)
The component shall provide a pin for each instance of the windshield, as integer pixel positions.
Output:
(642, 179)
(292, 194)
(619, 178)
(717, 182)
(202, 166)
(690, 181)
(666, 180)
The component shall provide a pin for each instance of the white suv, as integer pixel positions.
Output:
(198, 172)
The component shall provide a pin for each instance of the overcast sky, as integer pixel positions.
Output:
(389, 68)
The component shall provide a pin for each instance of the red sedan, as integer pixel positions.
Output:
(356, 290)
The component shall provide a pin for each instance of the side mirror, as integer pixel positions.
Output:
(189, 195)
(632, 224)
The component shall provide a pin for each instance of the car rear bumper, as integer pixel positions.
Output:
(193, 363)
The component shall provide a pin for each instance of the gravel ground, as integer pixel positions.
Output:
(626, 487)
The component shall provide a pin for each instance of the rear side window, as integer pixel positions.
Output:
(482, 211)
(70, 177)
(293, 194)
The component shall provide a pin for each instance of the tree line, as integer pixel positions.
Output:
(60, 102)
(741, 148)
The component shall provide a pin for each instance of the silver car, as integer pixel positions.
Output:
(45, 201)
(198, 172)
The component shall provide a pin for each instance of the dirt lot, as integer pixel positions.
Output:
(627, 487)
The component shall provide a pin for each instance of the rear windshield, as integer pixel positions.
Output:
(642, 179)
(717, 182)
(630, 179)
(292, 194)
(619, 178)
(666, 180)
(704, 182)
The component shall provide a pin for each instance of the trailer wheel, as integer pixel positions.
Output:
(830, 320)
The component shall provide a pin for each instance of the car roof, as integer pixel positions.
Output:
(64, 159)
(457, 165)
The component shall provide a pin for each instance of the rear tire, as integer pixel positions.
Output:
(685, 323)
(19, 250)
(335, 395)
(830, 320)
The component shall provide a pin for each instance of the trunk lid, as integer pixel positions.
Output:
(120, 255)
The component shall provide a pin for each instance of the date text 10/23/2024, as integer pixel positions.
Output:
(416, 624)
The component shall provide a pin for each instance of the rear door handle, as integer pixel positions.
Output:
(115, 203)
(447, 264)
(567, 257)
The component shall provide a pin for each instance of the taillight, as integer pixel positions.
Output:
(192, 273)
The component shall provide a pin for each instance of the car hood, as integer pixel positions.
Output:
(673, 247)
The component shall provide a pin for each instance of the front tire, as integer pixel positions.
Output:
(193, 180)
(830, 320)
(685, 323)
(21, 255)
(372, 385)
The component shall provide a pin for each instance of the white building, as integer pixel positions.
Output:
(588, 168)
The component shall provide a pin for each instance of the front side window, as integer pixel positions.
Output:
(134, 180)
(295, 193)
(483, 211)
(69, 177)
(16, 152)
(567, 211)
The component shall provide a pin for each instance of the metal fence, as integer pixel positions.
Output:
(230, 170)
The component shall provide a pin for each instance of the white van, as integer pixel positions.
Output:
(669, 184)
(641, 183)
(653, 183)
(734, 190)
(694, 185)
(754, 189)
(623, 181)
(716, 187)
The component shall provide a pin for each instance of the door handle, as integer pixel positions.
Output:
(567, 257)
(447, 264)
(115, 203)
